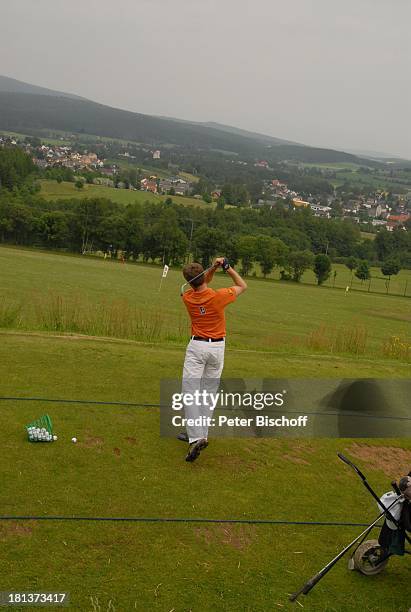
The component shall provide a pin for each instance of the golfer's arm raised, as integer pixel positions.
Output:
(239, 284)
(217, 263)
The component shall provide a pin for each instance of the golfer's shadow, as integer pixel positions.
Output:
(361, 410)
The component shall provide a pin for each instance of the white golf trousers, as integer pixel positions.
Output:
(203, 365)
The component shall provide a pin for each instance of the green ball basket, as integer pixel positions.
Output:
(43, 421)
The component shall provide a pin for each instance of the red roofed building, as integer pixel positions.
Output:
(402, 218)
(149, 185)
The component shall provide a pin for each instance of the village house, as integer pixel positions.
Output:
(260, 203)
(401, 219)
(297, 203)
(374, 211)
(149, 185)
(321, 211)
(261, 164)
(179, 186)
(397, 221)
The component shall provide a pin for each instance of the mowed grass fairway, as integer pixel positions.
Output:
(121, 467)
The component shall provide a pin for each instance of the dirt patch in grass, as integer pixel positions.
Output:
(117, 451)
(11, 529)
(91, 442)
(393, 461)
(298, 453)
(239, 537)
(234, 463)
(130, 440)
(296, 459)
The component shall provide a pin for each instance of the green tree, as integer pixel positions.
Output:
(208, 242)
(298, 262)
(220, 203)
(54, 229)
(171, 240)
(270, 252)
(391, 267)
(231, 249)
(15, 167)
(247, 251)
(79, 184)
(322, 268)
(363, 271)
(351, 263)
(384, 244)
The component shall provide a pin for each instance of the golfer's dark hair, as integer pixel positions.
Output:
(192, 270)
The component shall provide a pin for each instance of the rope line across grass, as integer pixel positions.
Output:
(146, 519)
(163, 519)
(146, 405)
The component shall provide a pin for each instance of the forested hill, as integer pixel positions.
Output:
(7, 84)
(22, 112)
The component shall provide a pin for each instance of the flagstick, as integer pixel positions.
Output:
(165, 272)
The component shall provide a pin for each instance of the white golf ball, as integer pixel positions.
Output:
(74, 440)
(55, 438)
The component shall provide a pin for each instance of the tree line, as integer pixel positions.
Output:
(292, 240)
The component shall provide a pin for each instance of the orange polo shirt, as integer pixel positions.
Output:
(206, 310)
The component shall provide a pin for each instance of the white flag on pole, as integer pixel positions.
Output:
(165, 270)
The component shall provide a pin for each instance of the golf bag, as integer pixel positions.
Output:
(370, 557)
(393, 536)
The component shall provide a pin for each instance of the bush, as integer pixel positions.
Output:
(397, 348)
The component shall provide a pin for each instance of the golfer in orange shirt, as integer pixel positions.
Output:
(204, 359)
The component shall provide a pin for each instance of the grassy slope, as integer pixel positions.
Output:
(120, 467)
(399, 284)
(51, 190)
(279, 315)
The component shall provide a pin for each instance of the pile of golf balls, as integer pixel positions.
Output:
(40, 434)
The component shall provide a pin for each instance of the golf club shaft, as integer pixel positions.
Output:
(203, 273)
(369, 488)
(306, 588)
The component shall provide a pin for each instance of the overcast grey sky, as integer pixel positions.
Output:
(320, 72)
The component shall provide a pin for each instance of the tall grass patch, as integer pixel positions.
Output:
(10, 313)
(351, 339)
(395, 347)
(117, 318)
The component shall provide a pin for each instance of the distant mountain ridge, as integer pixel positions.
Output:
(7, 84)
(28, 107)
(269, 140)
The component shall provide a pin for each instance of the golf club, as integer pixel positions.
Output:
(213, 267)
(369, 488)
(306, 588)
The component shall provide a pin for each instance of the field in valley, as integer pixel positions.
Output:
(52, 190)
